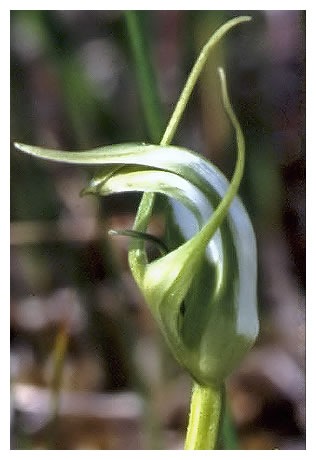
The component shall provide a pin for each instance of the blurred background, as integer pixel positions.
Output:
(89, 369)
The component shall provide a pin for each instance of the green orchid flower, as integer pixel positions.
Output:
(212, 273)
(202, 289)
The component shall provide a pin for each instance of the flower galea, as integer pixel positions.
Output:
(202, 290)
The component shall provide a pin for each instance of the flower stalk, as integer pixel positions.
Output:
(204, 419)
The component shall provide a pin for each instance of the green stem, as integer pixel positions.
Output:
(205, 413)
(147, 84)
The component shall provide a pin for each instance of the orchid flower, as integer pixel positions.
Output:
(202, 289)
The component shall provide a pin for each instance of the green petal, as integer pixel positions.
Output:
(130, 179)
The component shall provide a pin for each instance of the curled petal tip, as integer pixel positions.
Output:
(18, 145)
(243, 18)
